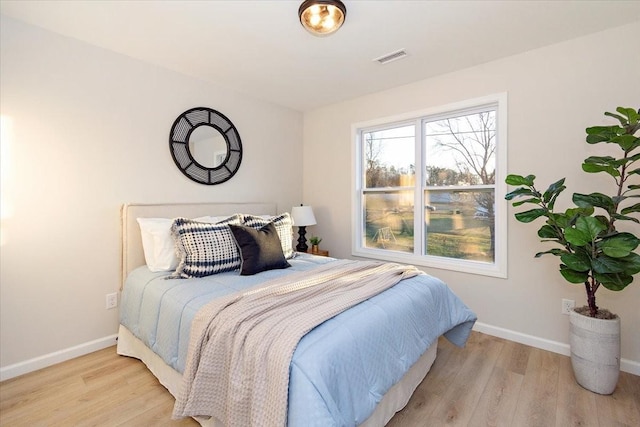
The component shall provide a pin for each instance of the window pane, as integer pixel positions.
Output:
(449, 192)
(389, 220)
(461, 150)
(460, 224)
(389, 157)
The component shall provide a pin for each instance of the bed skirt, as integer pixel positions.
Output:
(393, 401)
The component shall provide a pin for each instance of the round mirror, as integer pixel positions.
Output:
(208, 147)
(205, 146)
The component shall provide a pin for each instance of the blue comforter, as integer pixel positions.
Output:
(342, 368)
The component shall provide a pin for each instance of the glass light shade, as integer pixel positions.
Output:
(303, 216)
(322, 17)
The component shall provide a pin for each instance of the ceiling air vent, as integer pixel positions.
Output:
(385, 59)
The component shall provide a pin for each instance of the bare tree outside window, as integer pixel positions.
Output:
(460, 155)
(429, 189)
(389, 156)
(469, 145)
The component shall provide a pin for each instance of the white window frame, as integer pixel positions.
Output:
(496, 269)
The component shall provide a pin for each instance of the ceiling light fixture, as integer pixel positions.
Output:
(322, 17)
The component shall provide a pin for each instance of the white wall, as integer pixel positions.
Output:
(554, 93)
(85, 130)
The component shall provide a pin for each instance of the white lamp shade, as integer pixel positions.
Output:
(303, 216)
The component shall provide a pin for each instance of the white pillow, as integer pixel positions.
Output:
(158, 244)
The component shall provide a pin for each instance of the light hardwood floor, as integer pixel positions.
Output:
(490, 382)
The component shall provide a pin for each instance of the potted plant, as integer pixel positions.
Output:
(592, 251)
(315, 242)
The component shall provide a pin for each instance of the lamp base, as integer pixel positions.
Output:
(302, 240)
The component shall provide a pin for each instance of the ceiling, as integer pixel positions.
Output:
(259, 47)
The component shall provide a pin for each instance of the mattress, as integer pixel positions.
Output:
(341, 370)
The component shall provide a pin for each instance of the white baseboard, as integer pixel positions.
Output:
(40, 362)
(626, 365)
(34, 364)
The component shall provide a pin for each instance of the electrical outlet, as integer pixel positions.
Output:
(567, 306)
(112, 300)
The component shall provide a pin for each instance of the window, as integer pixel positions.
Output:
(430, 188)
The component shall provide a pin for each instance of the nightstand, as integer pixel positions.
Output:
(320, 252)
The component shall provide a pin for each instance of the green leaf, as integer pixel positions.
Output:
(555, 251)
(625, 218)
(585, 232)
(533, 200)
(530, 215)
(598, 200)
(619, 284)
(573, 276)
(619, 245)
(632, 262)
(631, 209)
(577, 237)
(520, 180)
(605, 130)
(560, 219)
(603, 220)
(593, 199)
(576, 262)
(599, 160)
(598, 134)
(630, 113)
(556, 186)
(522, 191)
(626, 142)
(630, 145)
(573, 213)
(594, 164)
(590, 226)
(549, 232)
(623, 120)
(553, 190)
(614, 281)
(607, 265)
(596, 138)
(591, 168)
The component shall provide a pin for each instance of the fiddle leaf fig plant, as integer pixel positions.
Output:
(591, 249)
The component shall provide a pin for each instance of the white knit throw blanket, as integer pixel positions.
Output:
(241, 345)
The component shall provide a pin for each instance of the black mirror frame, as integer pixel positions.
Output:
(179, 136)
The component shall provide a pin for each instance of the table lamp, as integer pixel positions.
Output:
(302, 217)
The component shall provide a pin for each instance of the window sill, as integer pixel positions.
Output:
(471, 267)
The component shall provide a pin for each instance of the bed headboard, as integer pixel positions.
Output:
(132, 253)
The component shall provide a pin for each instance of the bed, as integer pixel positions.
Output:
(359, 367)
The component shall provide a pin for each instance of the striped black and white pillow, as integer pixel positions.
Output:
(284, 227)
(204, 248)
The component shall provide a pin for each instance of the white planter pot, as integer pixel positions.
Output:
(595, 352)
